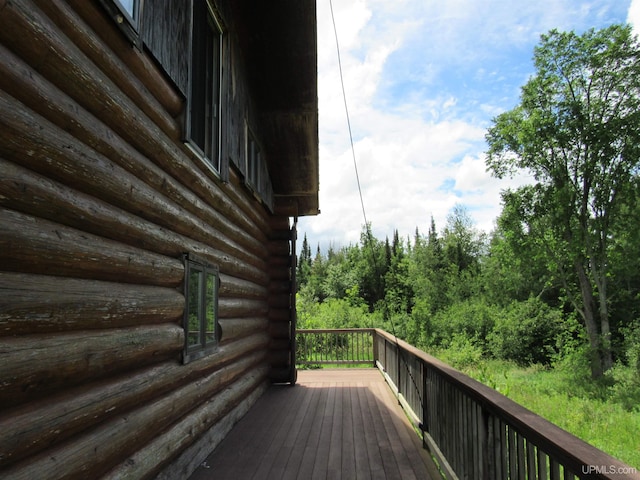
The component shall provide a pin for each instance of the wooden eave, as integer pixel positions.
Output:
(280, 45)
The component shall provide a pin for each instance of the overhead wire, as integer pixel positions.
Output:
(346, 108)
(369, 235)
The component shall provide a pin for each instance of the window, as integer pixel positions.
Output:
(130, 7)
(256, 172)
(201, 310)
(254, 160)
(126, 14)
(203, 122)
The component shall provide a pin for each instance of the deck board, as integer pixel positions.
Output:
(333, 424)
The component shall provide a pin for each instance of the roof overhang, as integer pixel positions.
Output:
(281, 48)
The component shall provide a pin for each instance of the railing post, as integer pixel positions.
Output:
(398, 367)
(423, 420)
(374, 337)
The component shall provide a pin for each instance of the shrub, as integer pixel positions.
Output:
(471, 319)
(527, 333)
(461, 352)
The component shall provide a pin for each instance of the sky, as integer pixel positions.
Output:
(423, 80)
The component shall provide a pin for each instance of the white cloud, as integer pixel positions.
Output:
(423, 80)
(633, 16)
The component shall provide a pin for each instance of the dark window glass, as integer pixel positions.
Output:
(204, 101)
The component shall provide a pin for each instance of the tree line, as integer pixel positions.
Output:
(559, 275)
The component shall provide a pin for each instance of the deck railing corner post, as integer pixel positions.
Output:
(374, 337)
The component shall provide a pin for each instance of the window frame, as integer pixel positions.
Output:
(253, 156)
(256, 173)
(128, 22)
(207, 32)
(207, 339)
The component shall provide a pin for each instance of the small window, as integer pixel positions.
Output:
(201, 310)
(203, 122)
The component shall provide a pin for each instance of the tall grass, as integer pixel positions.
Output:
(605, 414)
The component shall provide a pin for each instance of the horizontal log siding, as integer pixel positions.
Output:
(98, 199)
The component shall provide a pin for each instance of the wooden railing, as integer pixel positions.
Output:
(347, 346)
(473, 431)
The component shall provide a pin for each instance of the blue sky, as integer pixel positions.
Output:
(423, 79)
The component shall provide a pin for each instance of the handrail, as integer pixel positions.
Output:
(474, 431)
(344, 346)
(481, 434)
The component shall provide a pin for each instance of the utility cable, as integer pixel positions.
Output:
(346, 109)
(364, 213)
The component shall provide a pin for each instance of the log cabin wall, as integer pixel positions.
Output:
(99, 200)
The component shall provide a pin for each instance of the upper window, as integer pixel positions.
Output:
(256, 172)
(254, 161)
(203, 122)
(201, 285)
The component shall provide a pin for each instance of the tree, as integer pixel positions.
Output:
(577, 131)
(304, 264)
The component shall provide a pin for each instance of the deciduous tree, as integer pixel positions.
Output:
(577, 131)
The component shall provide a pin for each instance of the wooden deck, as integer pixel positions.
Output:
(334, 424)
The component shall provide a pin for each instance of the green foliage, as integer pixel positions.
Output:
(577, 132)
(527, 332)
(332, 313)
(460, 351)
(471, 319)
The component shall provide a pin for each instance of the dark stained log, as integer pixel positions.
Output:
(38, 425)
(42, 303)
(280, 264)
(35, 365)
(210, 419)
(280, 287)
(28, 192)
(85, 39)
(29, 87)
(281, 230)
(193, 456)
(91, 454)
(279, 248)
(280, 301)
(245, 202)
(235, 328)
(237, 307)
(279, 330)
(32, 245)
(280, 315)
(54, 58)
(280, 374)
(279, 273)
(55, 153)
(57, 58)
(280, 344)
(138, 62)
(279, 358)
(236, 287)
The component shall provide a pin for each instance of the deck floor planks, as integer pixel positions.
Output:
(299, 459)
(406, 445)
(321, 462)
(289, 431)
(334, 467)
(342, 423)
(370, 440)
